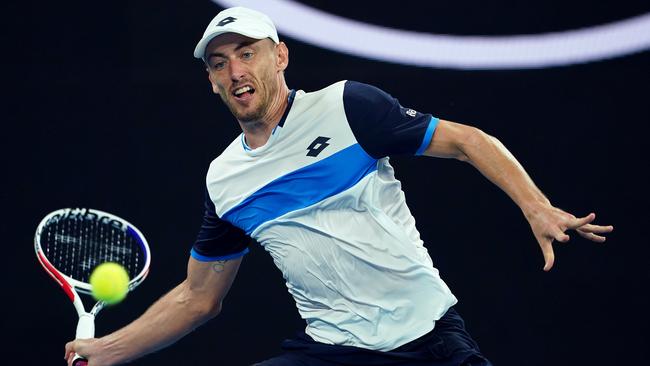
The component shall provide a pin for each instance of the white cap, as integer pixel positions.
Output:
(247, 22)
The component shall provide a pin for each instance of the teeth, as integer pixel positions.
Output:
(242, 90)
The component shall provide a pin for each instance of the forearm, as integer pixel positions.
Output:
(166, 321)
(496, 163)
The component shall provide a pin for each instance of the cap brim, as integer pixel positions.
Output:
(199, 50)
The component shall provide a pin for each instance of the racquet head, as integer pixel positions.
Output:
(71, 242)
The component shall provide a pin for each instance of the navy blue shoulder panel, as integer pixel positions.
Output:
(381, 125)
(218, 239)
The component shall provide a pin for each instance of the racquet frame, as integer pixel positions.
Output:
(72, 287)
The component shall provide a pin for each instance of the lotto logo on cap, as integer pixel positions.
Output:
(247, 22)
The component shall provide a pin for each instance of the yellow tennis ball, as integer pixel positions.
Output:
(109, 282)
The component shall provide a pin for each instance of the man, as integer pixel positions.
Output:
(309, 179)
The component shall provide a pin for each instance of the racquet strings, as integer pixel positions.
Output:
(76, 245)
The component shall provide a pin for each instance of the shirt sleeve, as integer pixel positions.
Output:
(217, 238)
(382, 126)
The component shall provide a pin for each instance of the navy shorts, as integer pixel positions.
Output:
(448, 344)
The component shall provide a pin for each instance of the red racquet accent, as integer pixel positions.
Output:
(57, 277)
(80, 362)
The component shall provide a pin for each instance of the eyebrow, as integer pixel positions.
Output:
(239, 46)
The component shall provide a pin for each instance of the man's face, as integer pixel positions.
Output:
(245, 73)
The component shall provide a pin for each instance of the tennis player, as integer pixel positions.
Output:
(309, 179)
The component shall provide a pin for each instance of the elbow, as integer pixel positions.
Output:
(201, 305)
(470, 140)
(203, 310)
(213, 309)
(474, 143)
(206, 308)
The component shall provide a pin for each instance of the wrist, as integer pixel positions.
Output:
(531, 208)
(111, 351)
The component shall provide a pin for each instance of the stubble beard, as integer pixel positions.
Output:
(256, 115)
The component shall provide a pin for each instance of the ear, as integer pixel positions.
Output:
(282, 56)
(212, 79)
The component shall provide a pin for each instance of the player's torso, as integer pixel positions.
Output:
(336, 224)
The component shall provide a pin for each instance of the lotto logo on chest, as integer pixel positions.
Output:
(317, 146)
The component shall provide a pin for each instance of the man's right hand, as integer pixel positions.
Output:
(89, 349)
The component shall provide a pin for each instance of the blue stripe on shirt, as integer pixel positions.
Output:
(302, 188)
(428, 136)
(203, 258)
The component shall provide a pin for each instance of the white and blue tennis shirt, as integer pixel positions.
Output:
(322, 199)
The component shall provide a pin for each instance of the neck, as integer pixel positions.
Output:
(257, 133)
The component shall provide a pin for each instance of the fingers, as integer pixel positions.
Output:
(561, 237)
(576, 223)
(591, 236)
(69, 349)
(589, 231)
(547, 251)
(597, 229)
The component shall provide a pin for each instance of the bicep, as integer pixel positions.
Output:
(211, 280)
(448, 140)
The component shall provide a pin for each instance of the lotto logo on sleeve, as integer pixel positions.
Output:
(411, 112)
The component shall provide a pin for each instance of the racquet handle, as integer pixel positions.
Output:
(85, 330)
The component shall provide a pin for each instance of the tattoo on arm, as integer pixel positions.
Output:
(219, 266)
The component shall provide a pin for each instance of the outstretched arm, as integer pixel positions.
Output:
(188, 305)
(495, 162)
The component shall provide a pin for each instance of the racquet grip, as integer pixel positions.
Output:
(85, 330)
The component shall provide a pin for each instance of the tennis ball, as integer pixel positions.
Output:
(109, 282)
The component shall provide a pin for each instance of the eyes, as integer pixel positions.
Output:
(220, 62)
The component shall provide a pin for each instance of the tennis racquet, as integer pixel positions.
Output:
(71, 242)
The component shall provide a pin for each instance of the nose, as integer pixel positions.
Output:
(237, 70)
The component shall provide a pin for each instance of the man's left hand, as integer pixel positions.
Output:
(551, 223)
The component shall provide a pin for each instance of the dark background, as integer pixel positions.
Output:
(105, 107)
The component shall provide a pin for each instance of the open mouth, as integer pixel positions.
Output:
(244, 93)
